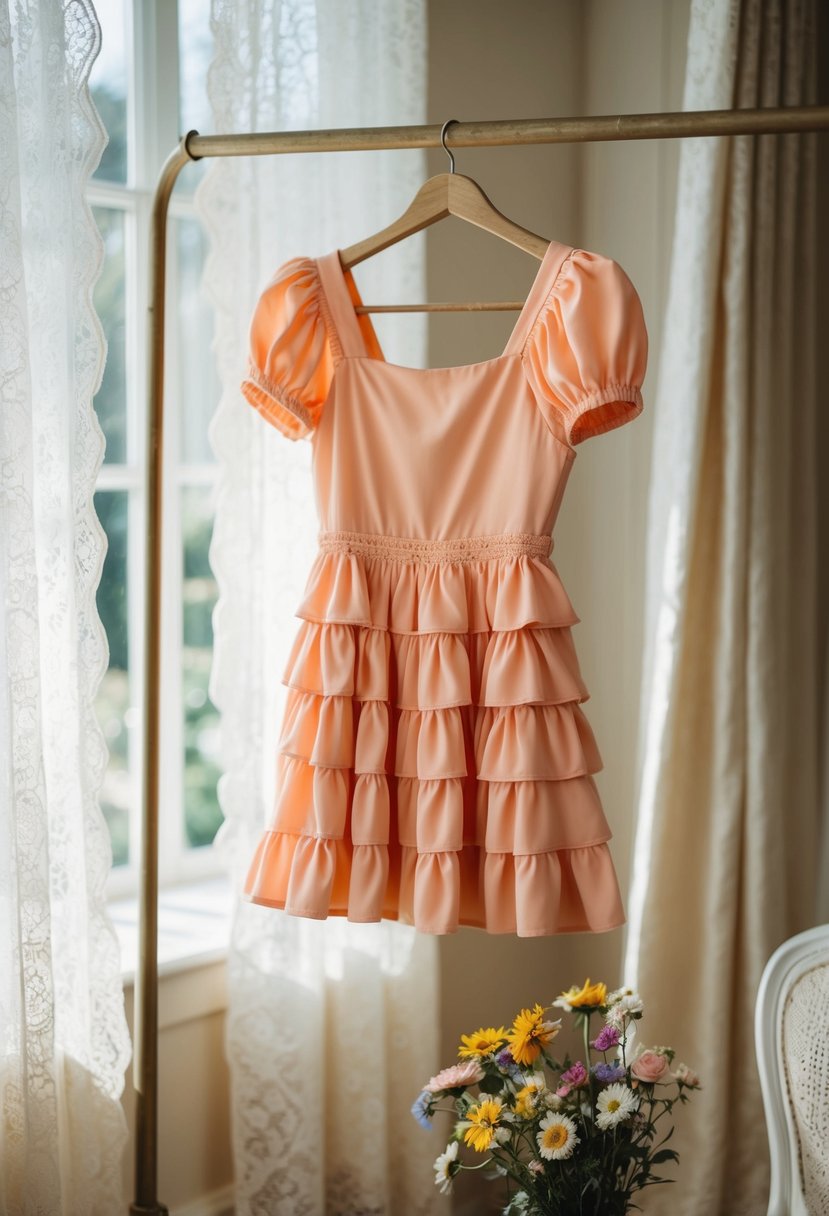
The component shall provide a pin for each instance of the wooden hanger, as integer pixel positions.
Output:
(440, 196)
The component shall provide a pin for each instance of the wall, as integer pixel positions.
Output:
(195, 1169)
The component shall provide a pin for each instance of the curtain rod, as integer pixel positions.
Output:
(684, 124)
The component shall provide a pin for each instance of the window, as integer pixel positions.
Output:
(149, 84)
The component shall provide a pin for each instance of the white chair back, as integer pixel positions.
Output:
(791, 1033)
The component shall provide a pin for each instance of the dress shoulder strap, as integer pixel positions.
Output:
(554, 257)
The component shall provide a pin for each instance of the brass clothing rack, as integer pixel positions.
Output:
(679, 125)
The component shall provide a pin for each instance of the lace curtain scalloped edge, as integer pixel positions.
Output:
(63, 1069)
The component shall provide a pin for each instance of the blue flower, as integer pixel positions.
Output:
(422, 1109)
(608, 1072)
(506, 1062)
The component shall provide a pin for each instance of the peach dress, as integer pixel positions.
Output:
(435, 765)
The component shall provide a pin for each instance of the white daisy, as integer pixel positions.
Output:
(446, 1167)
(623, 1003)
(556, 1137)
(615, 1104)
(616, 995)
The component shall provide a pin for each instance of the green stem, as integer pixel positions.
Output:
(511, 1173)
(480, 1165)
(591, 1080)
(587, 1041)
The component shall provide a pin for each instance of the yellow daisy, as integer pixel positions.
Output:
(482, 1043)
(530, 1033)
(589, 996)
(484, 1119)
(525, 1100)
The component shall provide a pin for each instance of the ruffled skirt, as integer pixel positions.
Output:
(434, 764)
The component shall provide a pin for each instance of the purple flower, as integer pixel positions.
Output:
(573, 1078)
(608, 1072)
(506, 1062)
(607, 1037)
(422, 1109)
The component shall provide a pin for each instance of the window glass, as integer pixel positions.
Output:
(202, 815)
(108, 85)
(198, 384)
(115, 715)
(195, 51)
(110, 301)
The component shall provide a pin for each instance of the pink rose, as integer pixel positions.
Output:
(651, 1067)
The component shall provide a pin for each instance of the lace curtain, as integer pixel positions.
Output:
(332, 1028)
(64, 1042)
(727, 831)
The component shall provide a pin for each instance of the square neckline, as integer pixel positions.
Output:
(342, 296)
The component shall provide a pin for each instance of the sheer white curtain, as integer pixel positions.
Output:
(332, 1027)
(726, 846)
(64, 1043)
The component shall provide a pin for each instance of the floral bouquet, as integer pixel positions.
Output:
(568, 1136)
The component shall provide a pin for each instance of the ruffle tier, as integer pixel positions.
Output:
(439, 597)
(434, 763)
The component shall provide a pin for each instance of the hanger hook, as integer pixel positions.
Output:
(443, 141)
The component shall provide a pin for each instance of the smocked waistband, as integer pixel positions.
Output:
(451, 549)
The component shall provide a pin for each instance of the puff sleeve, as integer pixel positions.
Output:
(290, 353)
(587, 352)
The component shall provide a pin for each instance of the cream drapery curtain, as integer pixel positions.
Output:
(332, 1028)
(728, 815)
(64, 1041)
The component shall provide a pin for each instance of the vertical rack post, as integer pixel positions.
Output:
(145, 1008)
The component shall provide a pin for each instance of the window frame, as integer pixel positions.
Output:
(151, 45)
